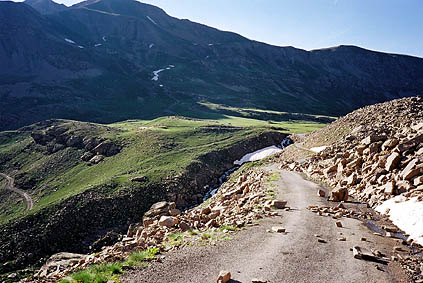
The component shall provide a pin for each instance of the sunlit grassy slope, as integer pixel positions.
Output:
(155, 149)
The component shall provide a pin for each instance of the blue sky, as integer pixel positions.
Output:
(386, 25)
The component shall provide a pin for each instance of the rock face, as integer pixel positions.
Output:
(384, 160)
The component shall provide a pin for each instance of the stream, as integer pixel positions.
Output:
(213, 189)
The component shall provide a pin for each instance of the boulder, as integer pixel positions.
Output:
(96, 159)
(174, 212)
(321, 193)
(107, 148)
(184, 226)
(74, 141)
(224, 276)
(393, 161)
(278, 229)
(373, 138)
(329, 170)
(139, 179)
(411, 170)
(389, 144)
(389, 188)
(405, 146)
(87, 156)
(339, 194)
(159, 209)
(167, 221)
(352, 179)
(418, 181)
(279, 204)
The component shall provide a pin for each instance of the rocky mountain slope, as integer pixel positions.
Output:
(377, 157)
(111, 60)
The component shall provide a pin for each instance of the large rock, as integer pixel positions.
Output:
(411, 143)
(412, 169)
(330, 170)
(390, 189)
(59, 262)
(167, 221)
(389, 144)
(339, 194)
(161, 208)
(392, 161)
(106, 148)
(373, 138)
(224, 276)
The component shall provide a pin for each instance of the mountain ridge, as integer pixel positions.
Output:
(98, 60)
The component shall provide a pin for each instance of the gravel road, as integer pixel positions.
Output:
(11, 186)
(296, 256)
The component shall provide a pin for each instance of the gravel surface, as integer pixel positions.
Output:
(295, 256)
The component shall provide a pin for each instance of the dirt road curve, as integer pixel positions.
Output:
(10, 186)
(294, 257)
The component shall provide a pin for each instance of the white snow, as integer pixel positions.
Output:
(161, 85)
(318, 149)
(258, 155)
(211, 44)
(104, 38)
(70, 41)
(151, 20)
(98, 44)
(156, 74)
(80, 46)
(151, 45)
(406, 214)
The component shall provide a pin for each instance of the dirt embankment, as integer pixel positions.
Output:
(77, 222)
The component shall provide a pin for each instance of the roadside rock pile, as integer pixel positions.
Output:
(380, 158)
(235, 205)
(338, 212)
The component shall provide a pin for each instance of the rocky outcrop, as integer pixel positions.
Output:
(58, 137)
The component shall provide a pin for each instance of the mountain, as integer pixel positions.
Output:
(109, 60)
(46, 6)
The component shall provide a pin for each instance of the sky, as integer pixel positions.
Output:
(394, 26)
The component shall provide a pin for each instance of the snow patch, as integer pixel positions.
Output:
(98, 44)
(258, 155)
(70, 41)
(161, 85)
(156, 73)
(104, 38)
(318, 149)
(151, 45)
(211, 44)
(406, 214)
(151, 20)
(80, 46)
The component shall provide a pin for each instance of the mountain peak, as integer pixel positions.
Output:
(45, 6)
